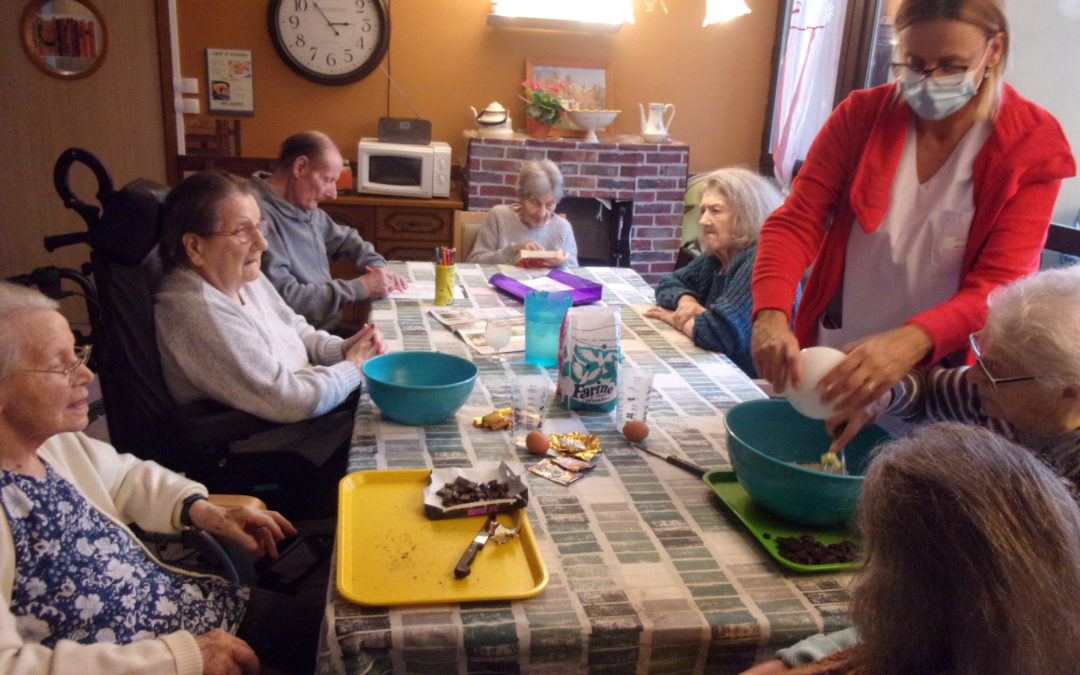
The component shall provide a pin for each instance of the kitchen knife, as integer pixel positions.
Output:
(464, 566)
(684, 464)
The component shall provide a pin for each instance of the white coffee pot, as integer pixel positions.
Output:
(493, 121)
(654, 128)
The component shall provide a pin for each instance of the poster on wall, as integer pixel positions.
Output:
(230, 84)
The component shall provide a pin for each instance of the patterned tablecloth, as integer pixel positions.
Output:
(649, 571)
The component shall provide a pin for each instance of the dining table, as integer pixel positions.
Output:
(649, 572)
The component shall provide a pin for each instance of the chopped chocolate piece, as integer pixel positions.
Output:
(464, 491)
(806, 550)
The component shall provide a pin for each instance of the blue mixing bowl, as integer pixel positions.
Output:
(767, 438)
(419, 388)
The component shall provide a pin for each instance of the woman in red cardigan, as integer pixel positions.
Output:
(914, 202)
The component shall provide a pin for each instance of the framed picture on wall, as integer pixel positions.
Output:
(588, 86)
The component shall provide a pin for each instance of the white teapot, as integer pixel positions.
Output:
(654, 129)
(493, 121)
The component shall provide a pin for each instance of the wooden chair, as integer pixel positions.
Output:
(466, 225)
(208, 136)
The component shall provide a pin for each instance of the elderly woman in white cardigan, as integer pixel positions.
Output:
(225, 334)
(79, 593)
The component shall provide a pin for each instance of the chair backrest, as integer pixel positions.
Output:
(466, 225)
(123, 260)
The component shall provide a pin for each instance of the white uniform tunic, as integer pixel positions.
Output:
(912, 261)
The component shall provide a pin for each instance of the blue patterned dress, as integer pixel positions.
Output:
(81, 577)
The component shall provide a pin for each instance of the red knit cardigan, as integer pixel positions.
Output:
(848, 175)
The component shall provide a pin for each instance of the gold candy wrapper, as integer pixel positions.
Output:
(576, 444)
(498, 419)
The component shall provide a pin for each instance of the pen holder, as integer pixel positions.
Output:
(445, 278)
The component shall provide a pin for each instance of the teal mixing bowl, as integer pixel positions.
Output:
(767, 438)
(419, 388)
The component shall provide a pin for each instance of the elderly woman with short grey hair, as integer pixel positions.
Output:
(78, 591)
(531, 224)
(709, 299)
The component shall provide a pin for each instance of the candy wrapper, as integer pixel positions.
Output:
(573, 464)
(547, 468)
(576, 444)
(499, 488)
(497, 419)
(589, 358)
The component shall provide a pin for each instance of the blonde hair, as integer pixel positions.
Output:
(751, 198)
(987, 16)
(972, 559)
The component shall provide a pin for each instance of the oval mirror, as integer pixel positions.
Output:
(64, 38)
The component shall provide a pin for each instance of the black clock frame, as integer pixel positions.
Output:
(360, 73)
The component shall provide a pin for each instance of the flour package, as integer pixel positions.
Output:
(589, 358)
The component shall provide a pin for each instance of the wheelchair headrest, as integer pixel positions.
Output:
(131, 222)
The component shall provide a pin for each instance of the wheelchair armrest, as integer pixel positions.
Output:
(232, 501)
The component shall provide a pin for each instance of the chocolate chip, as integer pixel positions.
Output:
(806, 550)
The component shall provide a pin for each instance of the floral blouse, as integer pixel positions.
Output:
(79, 576)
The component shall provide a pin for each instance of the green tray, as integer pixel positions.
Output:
(759, 522)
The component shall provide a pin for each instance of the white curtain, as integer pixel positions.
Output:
(807, 80)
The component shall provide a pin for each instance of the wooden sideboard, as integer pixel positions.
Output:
(400, 228)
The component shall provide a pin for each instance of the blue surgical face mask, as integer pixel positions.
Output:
(933, 98)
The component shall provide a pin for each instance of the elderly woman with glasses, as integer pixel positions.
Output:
(224, 332)
(1025, 385)
(915, 201)
(971, 547)
(709, 299)
(80, 593)
(531, 224)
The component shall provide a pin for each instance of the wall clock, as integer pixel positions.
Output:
(330, 41)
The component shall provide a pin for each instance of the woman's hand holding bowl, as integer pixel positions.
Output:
(874, 364)
(775, 350)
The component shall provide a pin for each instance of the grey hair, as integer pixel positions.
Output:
(536, 179)
(14, 300)
(972, 550)
(751, 198)
(1035, 321)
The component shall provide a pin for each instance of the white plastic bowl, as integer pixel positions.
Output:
(816, 362)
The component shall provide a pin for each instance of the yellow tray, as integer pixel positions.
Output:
(390, 553)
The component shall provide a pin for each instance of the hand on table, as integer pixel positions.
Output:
(225, 654)
(668, 316)
(873, 365)
(767, 668)
(381, 281)
(775, 350)
(256, 530)
(364, 344)
(686, 310)
(563, 258)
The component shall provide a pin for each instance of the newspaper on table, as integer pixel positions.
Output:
(423, 291)
(469, 324)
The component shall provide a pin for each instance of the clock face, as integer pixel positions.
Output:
(330, 41)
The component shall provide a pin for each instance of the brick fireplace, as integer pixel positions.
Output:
(645, 182)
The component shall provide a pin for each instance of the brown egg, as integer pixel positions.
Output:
(537, 443)
(635, 431)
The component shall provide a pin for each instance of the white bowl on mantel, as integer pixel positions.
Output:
(591, 120)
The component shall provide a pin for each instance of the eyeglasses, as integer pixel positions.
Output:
(82, 356)
(973, 341)
(245, 234)
(945, 75)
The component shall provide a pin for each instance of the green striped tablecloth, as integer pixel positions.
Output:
(649, 573)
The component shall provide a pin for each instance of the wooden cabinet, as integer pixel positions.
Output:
(400, 228)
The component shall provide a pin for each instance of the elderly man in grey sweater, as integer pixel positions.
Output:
(302, 237)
